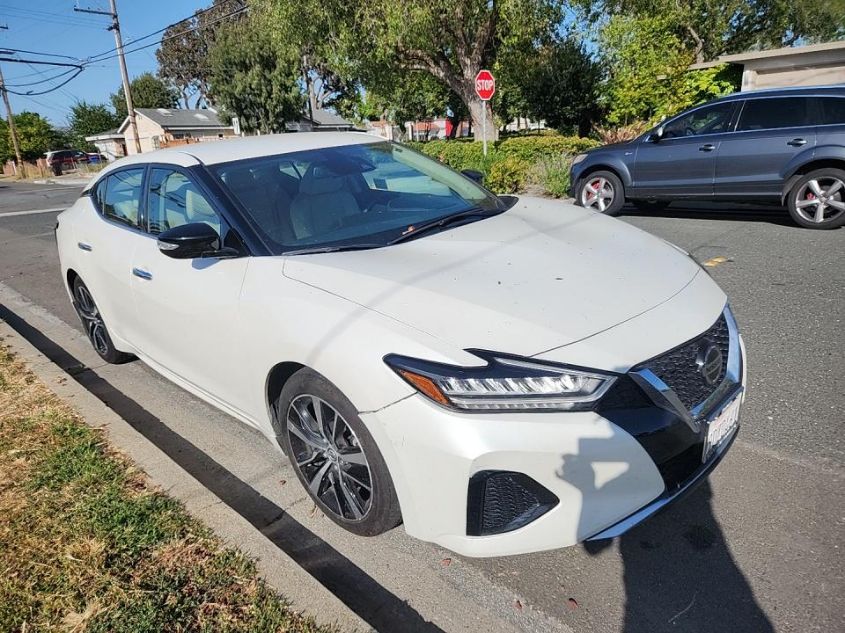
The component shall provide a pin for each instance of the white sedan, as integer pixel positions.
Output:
(501, 374)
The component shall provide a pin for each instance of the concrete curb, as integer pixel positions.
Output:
(281, 572)
(70, 182)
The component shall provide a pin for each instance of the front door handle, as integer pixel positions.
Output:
(143, 274)
(707, 148)
(85, 247)
(797, 142)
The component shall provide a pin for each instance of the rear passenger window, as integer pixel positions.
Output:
(119, 196)
(833, 110)
(769, 114)
(174, 200)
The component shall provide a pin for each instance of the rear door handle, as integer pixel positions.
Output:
(707, 148)
(84, 246)
(797, 142)
(143, 274)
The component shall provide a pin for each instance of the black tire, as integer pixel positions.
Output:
(382, 512)
(651, 206)
(95, 326)
(803, 198)
(603, 184)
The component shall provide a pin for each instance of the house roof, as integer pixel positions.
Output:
(174, 118)
(108, 134)
(783, 52)
(327, 118)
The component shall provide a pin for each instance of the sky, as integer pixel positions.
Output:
(52, 26)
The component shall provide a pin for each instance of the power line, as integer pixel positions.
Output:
(26, 52)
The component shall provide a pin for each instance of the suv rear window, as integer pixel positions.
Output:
(832, 110)
(769, 114)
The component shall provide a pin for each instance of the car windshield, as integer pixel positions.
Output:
(353, 196)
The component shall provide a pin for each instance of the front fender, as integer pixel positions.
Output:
(605, 160)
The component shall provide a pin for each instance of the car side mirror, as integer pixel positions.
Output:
(474, 175)
(189, 241)
(655, 136)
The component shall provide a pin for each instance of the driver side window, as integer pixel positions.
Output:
(174, 200)
(710, 120)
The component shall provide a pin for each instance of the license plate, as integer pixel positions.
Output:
(721, 427)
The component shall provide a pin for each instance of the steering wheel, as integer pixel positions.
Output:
(688, 131)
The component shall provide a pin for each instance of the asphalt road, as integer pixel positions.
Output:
(757, 548)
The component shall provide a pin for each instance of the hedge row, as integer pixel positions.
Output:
(514, 163)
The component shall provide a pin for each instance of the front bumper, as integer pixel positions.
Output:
(608, 470)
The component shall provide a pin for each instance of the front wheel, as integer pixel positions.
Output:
(817, 201)
(601, 191)
(334, 455)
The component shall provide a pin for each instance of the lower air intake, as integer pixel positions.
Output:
(501, 501)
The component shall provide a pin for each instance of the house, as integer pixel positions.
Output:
(163, 127)
(111, 144)
(811, 65)
(322, 121)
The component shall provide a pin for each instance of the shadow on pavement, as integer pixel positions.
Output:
(718, 211)
(380, 608)
(679, 574)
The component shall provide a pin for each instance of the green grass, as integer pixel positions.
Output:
(87, 545)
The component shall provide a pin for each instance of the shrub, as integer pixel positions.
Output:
(508, 175)
(533, 148)
(622, 133)
(551, 173)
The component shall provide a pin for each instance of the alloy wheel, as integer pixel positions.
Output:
(821, 199)
(91, 319)
(329, 457)
(597, 194)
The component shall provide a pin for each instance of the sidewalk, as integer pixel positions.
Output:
(70, 180)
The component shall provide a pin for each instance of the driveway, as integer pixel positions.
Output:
(757, 548)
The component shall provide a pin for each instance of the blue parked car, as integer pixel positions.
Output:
(784, 146)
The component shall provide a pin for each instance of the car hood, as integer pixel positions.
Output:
(541, 275)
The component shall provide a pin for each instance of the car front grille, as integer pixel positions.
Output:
(678, 369)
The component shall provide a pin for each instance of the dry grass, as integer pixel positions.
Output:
(87, 545)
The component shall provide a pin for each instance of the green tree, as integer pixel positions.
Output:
(254, 78)
(183, 55)
(87, 119)
(710, 28)
(35, 134)
(377, 40)
(148, 91)
(562, 86)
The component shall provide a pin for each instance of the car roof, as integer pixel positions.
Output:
(803, 91)
(239, 148)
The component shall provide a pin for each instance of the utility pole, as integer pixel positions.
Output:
(118, 42)
(12, 129)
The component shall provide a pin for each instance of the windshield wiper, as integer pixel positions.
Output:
(415, 231)
(332, 249)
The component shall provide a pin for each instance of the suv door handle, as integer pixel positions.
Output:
(83, 246)
(797, 142)
(709, 147)
(143, 274)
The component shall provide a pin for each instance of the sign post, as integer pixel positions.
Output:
(485, 88)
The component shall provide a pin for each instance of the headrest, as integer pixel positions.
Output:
(239, 179)
(196, 207)
(319, 179)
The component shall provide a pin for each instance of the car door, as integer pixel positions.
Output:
(682, 162)
(107, 239)
(188, 307)
(769, 132)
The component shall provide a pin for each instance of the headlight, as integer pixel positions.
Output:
(578, 158)
(506, 383)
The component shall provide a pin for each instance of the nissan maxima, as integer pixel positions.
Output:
(501, 374)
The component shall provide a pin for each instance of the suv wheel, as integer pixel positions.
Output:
(334, 455)
(817, 201)
(601, 191)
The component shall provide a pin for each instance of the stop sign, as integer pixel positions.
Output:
(485, 85)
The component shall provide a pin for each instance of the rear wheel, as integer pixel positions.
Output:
(94, 325)
(334, 455)
(817, 201)
(601, 191)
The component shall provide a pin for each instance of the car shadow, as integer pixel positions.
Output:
(678, 570)
(745, 212)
